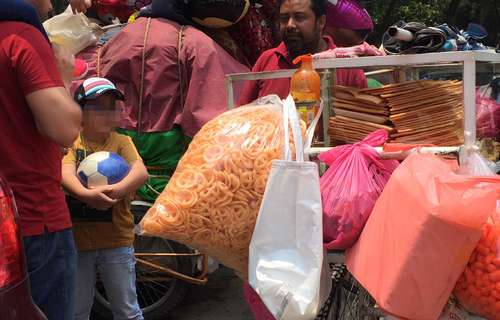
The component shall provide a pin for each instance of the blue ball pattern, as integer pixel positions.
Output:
(115, 168)
(83, 178)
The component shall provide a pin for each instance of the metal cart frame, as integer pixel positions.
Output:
(401, 64)
(357, 304)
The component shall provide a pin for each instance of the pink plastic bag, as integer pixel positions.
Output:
(488, 115)
(350, 187)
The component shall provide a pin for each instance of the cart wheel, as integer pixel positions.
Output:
(338, 271)
(158, 293)
(353, 302)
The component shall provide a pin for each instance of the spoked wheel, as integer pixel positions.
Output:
(353, 302)
(157, 292)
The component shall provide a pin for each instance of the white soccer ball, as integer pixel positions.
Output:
(102, 168)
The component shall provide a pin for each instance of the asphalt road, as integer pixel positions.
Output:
(221, 299)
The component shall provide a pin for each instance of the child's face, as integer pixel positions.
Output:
(101, 115)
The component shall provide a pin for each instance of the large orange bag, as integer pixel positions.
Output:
(420, 236)
(212, 200)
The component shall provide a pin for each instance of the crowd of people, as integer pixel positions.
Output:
(47, 132)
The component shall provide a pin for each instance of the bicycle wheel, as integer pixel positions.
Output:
(353, 302)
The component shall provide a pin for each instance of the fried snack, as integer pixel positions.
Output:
(212, 201)
(478, 289)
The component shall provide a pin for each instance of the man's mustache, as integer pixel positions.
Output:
(292, 35)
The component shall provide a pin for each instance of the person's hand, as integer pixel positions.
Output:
(114, 191)
(96, 198)
(65, 63)
(80, 5)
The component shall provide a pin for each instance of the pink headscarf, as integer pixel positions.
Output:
(347, 14)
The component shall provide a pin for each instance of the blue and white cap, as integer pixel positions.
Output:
(94, 87)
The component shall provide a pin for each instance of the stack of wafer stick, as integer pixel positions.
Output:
(425, 111)
(357, 114)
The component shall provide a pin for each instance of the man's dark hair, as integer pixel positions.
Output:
(317, 6)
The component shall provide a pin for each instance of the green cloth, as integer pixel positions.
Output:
(161, 152)
(372, 83)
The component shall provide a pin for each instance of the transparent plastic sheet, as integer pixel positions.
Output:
(478, 288)
(212, 201)
(420, 235)
(74, 32)
(472, 163)
(350, 187)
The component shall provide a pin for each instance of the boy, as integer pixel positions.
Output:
(105, 241)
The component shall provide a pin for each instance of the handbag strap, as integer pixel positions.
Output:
(286, 143)
(291, 118)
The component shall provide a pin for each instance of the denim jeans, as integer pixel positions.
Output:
(51, 263)
(116, 269)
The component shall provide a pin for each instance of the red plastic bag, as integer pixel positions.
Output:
(488, 115)
(350, 187)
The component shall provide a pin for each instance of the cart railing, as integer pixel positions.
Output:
(466, 60)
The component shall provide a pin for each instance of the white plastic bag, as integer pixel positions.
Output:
(472, 162)
(74, 32)
(286, 251)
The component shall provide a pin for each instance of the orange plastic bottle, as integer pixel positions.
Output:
(305, 89)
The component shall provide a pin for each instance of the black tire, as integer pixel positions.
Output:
(157, 298)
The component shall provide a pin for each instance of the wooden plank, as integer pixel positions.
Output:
(425, 95)
(361, 122)
(354, 93)
(417, 103)
(439, 116)
(354, 127)
(423, 111)
(361, 109)
(431, 88)
(355, 102)
(423, 128)
(361, 116)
